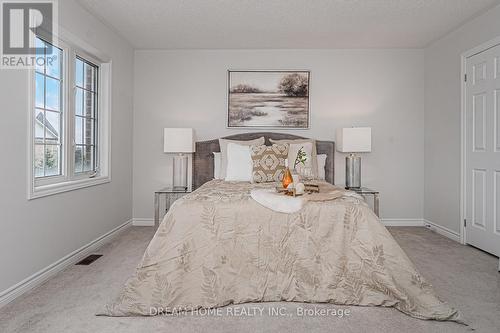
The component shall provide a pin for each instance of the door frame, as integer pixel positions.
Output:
(463, 107)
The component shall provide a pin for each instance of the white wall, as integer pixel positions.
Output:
(37, 233)
(378, 88)
(442, 117)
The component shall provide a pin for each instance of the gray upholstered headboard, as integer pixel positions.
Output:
(203, 159)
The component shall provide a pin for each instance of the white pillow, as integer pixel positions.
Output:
(217, 163)
(223, 149)
(321, 166)
(239, 163)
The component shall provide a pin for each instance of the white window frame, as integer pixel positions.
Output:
(68, 180)
(64, 130)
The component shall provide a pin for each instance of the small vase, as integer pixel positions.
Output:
(287, 176)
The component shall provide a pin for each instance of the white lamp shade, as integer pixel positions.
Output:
(178, 140)
(354, 140)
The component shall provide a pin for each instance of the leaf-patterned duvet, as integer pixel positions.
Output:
(216, 246)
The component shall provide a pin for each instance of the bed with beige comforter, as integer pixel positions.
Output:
(217, 246)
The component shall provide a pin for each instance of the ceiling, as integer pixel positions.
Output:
(262, 24)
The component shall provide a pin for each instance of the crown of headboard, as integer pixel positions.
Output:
(203, 158)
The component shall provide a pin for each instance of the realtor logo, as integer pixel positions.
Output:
(22, 21)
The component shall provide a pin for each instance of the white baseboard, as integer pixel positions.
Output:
(143, 222)
(43, 275)
(402, 222)
(442, 230)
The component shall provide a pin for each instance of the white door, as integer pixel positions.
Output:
(482, 151)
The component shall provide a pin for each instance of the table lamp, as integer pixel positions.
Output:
(180, 141)
(353, 140)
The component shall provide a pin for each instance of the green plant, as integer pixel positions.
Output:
(301, 157)
(50, 159)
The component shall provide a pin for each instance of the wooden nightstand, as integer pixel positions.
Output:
(164, 198)
(363, 191)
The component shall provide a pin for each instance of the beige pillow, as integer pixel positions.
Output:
(223, 149)
(309, 146)
(268, 162)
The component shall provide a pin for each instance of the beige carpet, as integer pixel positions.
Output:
(461, 275)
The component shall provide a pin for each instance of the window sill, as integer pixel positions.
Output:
(46, 190)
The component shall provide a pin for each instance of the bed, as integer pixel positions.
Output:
(216, 246)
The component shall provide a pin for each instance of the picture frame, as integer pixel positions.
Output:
(277, 99)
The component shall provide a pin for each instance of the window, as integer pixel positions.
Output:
(69, 120)
(48, 115)
(86, 112)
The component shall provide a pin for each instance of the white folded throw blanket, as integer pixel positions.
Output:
(285, 204)
(277, 202)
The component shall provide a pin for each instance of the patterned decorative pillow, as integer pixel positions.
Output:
(269, 162)
(309, 147)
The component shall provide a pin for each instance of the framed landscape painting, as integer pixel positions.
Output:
(273, 99)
